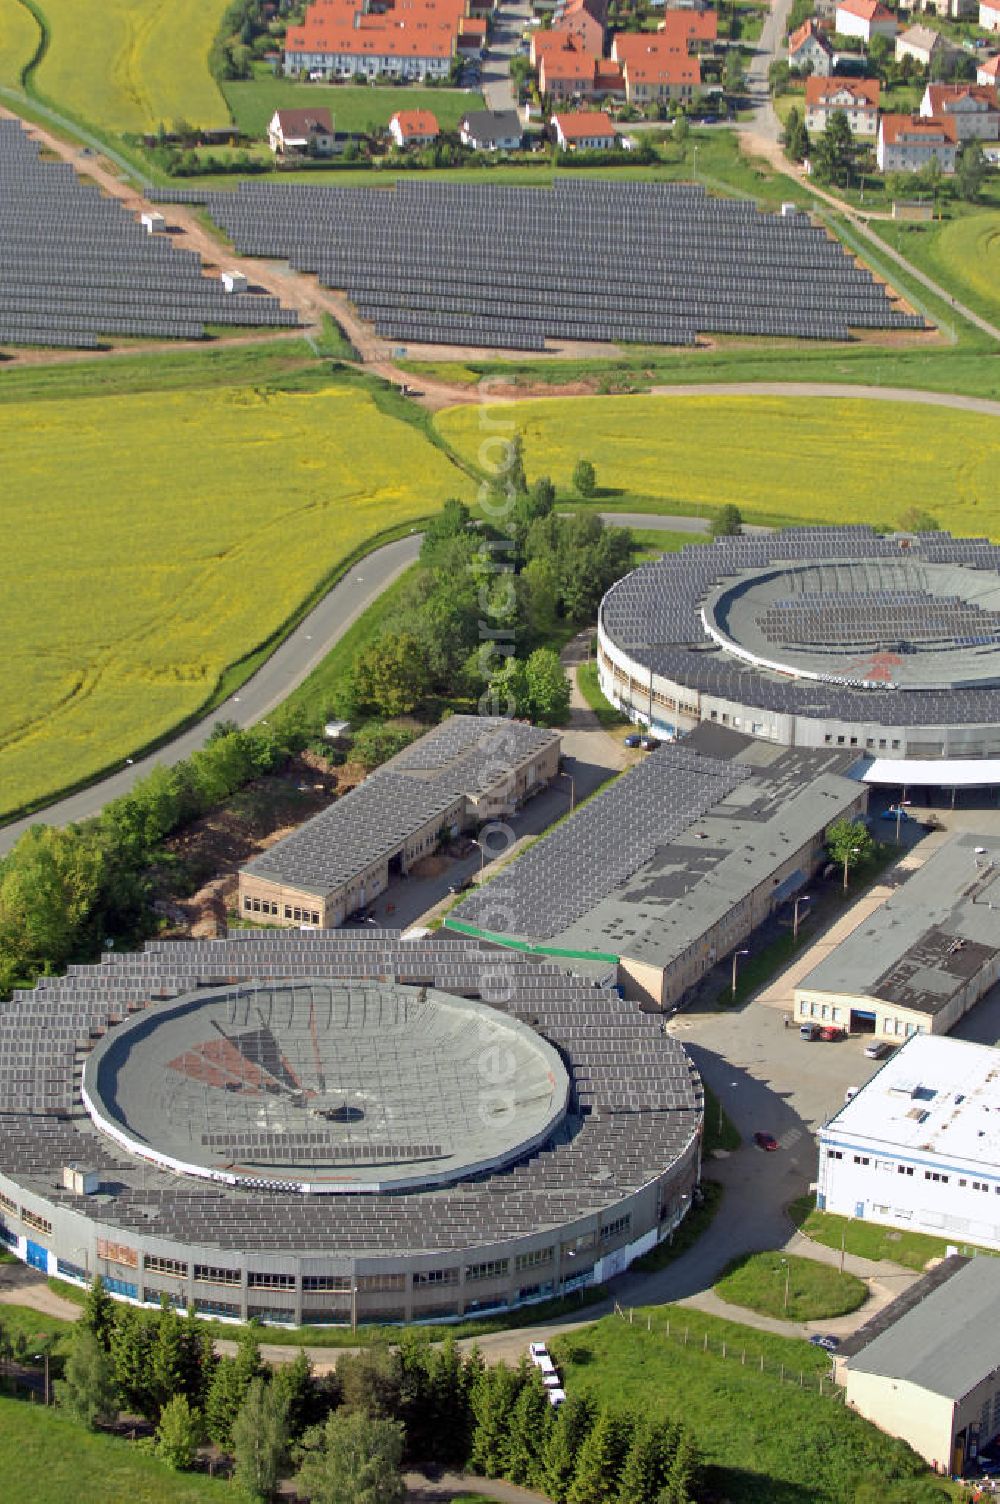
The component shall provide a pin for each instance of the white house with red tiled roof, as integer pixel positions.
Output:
(988, 72)
(864, 19)
(414, 128)
(856, 97)
(908, 143)
(810, 46)
(973, 108)
(989, 15)
(301, 133)
(584, 130)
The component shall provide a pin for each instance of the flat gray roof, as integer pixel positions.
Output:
(928, 938)
(465, 756)
(645, 868)
(947, 1343)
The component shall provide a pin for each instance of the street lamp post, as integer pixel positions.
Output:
(804, 898)
(572, 789)
(696, 161)
(899, 815)
(854, 851)
(736, 957)
(788, 1275)
(482, 856)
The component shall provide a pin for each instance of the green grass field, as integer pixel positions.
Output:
(777, 459)
(354, 107)
(19, 38)
(963, 254)
(814, 1291)
(45, 1458)
(766, 1441)
(129, 66)
(152, 540)
(870, 1241)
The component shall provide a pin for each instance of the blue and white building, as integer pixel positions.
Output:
(918, 1146)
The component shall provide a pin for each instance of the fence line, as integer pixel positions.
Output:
(672, 1331)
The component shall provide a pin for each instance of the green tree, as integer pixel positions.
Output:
(260, 1440)
(352, 1459)
(375, 743)
(601, 1459)
(493, 1397)
(98, 1315)
(296, 1386)
(229, 1385)
(131, 1348)
(390, 676)
(681, 129)
(849, 843)
(834, 152)
(51, 884)
(370, 1382)
(87, 1390)
(574, 1419)
(547, 687)
(795, 137)
(178, 1434)
(450, 522)
(584, 479)
(683, 1483)
(531, 1421)
(727, 522)
(971, 171)
(197, 1359)
(167, 1357)
(508, 689)
(916, 520)
(646, 1468)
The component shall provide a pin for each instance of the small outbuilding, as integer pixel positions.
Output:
(233, 281)
(152, 222)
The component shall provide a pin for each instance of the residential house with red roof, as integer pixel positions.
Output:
(584, 21)
(414, 128)
(857, 97)
(414, 39)
(973, 107)
(584, 130)
(988, 72)
(566, 72)
(301, 133)
(655, 67)
(908, 143)
(810, 46)
(864, 19)
(698, 31)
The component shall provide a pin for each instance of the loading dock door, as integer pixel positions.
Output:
(862, 1021)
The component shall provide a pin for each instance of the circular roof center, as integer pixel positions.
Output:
(869, 623)
(326, 1086)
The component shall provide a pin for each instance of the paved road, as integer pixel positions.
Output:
(770, 46)
(509, 23)
(422, 1489)
(286, 668)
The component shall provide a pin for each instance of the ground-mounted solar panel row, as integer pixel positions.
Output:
(76, 268)
(492, 265)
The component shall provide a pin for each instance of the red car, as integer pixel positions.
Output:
(766, 1141)
(831, 1032)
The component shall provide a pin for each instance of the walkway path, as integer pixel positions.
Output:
(424, 1490)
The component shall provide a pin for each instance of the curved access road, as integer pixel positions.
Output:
(286, 668)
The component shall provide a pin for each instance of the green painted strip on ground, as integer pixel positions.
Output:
(534, 950)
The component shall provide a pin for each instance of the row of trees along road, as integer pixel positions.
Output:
(347, 1435)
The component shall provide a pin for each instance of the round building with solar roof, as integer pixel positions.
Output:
(327, 1127)
(815, 637)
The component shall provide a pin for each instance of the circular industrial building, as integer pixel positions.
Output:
(815, 637)
(339, 1128)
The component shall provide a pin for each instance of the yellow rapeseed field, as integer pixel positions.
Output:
(19, 37)
(128, 65)
(811, 460)
(967, 252)
(150, 541)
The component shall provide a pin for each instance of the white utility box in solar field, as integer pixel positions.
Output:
(152, 222)
(233, 282)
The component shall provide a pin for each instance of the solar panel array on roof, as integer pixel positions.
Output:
(76, 267)
(635, 1102)
(654, 615)
(652, 263)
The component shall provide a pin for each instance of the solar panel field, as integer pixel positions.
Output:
(152, 540)
(132, 64)
(777, 459)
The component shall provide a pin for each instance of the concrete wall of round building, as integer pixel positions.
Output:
(295, 1287)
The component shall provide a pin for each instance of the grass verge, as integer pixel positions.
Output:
(790, 1288)
(698, 1220)
(868, 1240)
(587, 680)
(761, 1408)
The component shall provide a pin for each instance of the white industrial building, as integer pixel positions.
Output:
(918, 1146)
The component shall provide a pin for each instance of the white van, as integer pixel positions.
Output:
(557, 1397)
(537, 1350)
